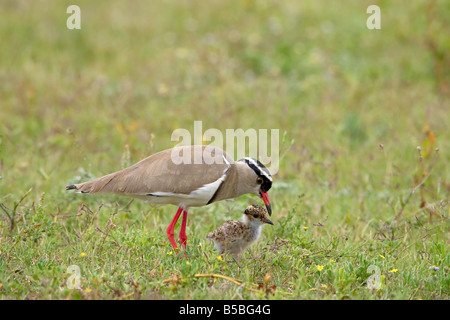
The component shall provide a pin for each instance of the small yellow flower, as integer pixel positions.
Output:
(219, 258)
(169, 253)
(332, 260)
(88, 290)
(393, 270)
(324, 286)
(83, 254)
(305, 228)
(267, 278)
(320, 268)
(381, 256)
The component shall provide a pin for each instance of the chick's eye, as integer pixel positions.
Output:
(259, 180)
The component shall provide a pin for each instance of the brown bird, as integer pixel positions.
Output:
(236, 236)
(188, 176)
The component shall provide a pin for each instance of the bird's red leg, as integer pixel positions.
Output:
(170, 228)
(183, 236)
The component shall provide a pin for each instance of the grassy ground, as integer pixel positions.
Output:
(352, 190)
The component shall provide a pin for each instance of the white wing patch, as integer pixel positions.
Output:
(198, 197)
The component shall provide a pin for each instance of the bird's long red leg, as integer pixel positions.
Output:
(183, 236)
(170, 231)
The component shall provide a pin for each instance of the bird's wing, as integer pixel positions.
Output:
(160, 174)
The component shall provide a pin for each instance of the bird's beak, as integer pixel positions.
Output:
(265, 198)
(267, 220)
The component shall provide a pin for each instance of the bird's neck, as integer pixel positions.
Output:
(232, 186)
(255, 231)
(254, 227)
(237, 182)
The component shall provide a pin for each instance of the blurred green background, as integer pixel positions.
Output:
(75, 104)
(137, 71)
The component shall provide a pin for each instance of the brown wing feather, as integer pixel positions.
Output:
(158, 173)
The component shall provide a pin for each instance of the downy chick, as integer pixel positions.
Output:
(235, 236)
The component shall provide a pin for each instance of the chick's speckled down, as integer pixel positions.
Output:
(229, 230)
(235, 236)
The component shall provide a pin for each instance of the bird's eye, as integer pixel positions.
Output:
(259, 180)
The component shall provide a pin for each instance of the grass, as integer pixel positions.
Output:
(352, 190)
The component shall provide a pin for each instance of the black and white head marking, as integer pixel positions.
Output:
(261, 171)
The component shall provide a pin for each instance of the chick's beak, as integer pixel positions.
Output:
(265, 198)
(267, 220)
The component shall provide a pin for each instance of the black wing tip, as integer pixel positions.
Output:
(71, 187)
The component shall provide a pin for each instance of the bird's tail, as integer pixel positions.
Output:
(76, 188)
(103, 184)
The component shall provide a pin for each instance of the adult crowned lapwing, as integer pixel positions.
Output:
(187, 176)
(235, 236)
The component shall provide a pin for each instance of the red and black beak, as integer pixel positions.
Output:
(265, 198)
